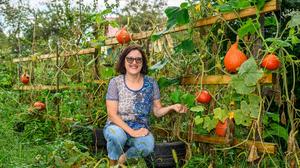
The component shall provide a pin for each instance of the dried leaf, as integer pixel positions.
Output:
(283, 118)
(253, 154)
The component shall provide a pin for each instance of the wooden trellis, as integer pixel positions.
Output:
(270, 6)
(251, 11)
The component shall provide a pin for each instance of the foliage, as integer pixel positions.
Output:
(39, 139)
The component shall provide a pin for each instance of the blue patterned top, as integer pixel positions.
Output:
(134, 106)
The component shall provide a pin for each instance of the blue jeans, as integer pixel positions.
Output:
(116, 139)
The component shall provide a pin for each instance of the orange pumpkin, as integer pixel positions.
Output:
(203, 97)
(123, 36)
(234, 58)
(24, 79)
(39, 105)
(221, 128)
(270, 62)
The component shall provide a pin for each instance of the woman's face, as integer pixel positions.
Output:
(133, 62)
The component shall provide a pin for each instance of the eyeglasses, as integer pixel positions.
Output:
(138, 60)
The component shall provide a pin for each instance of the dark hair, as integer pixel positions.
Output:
(120, 68)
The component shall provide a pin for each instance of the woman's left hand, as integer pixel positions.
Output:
(180, 108)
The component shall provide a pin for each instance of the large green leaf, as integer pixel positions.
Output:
(177, 16)
(276, 130)
(220, 114)
(278, 43)
(175, 96)
(188, 99)
(186, 46)
(254, 104)
(250, 73)
(239, 85)
(198, 108)
(209, 123)
(248, 28)
(198, 120)
(242, 118)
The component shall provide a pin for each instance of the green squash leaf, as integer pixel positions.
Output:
(177, 16)
(248, 28)
(239, 85)
(250, 73)
(254, 105)
(209, 123)
(242, 118)
(188, 99)
(220, 114)
(186, 46)
(198, 120)
(175, 96)
(197, 108)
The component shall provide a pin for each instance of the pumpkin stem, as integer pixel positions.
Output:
(237, 39)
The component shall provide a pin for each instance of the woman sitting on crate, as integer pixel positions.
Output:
(130, 98)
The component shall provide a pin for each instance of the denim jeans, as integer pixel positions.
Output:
(116, 139)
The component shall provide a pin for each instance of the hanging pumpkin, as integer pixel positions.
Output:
(203, 97)
(234, 58)
(123, 36)
(24, 78)
(270, 62)
(221, 128)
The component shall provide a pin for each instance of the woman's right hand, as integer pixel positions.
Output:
(139, 133)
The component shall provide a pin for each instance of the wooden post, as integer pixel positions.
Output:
(57, 100)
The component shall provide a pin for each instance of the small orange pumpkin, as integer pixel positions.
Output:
(123, 36)
(39, 105)
(24, 79)
(221, 128)
(234, 58)
(203, 97)
(270, 62)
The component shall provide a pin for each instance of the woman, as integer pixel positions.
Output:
(130, 98)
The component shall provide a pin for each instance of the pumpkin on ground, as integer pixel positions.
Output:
(39, 105)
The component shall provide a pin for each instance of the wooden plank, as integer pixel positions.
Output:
(45, 87)
(218, 80)
(269, 7)
(266, 147)
(53, 56)
(272, 5)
